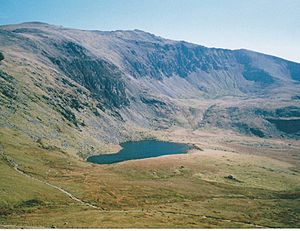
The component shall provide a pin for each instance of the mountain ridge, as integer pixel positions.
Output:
(114, 86)
(29, 23)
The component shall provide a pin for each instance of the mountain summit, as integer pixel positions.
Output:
(57, 81)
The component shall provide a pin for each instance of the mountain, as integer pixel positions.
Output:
(77, 89)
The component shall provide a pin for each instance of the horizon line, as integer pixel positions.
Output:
(156, 35)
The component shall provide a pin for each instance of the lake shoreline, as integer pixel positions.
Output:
(142, 149)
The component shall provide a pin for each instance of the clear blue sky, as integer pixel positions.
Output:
(269, 26)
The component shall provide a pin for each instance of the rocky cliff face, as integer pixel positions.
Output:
(101, 78)
(104, 85)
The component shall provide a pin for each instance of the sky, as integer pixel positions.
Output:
(268, 26)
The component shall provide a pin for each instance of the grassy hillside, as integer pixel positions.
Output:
(171, 191)
(67, 94)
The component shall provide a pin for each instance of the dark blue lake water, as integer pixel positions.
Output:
(134, 150)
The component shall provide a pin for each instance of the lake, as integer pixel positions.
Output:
(134, 150)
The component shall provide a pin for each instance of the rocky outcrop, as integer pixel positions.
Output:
(102, 78)
(98, 83)
(1, 56)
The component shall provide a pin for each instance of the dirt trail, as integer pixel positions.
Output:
(56, 187)
(14, 165)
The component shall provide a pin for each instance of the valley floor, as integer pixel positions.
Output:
(43, 187)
